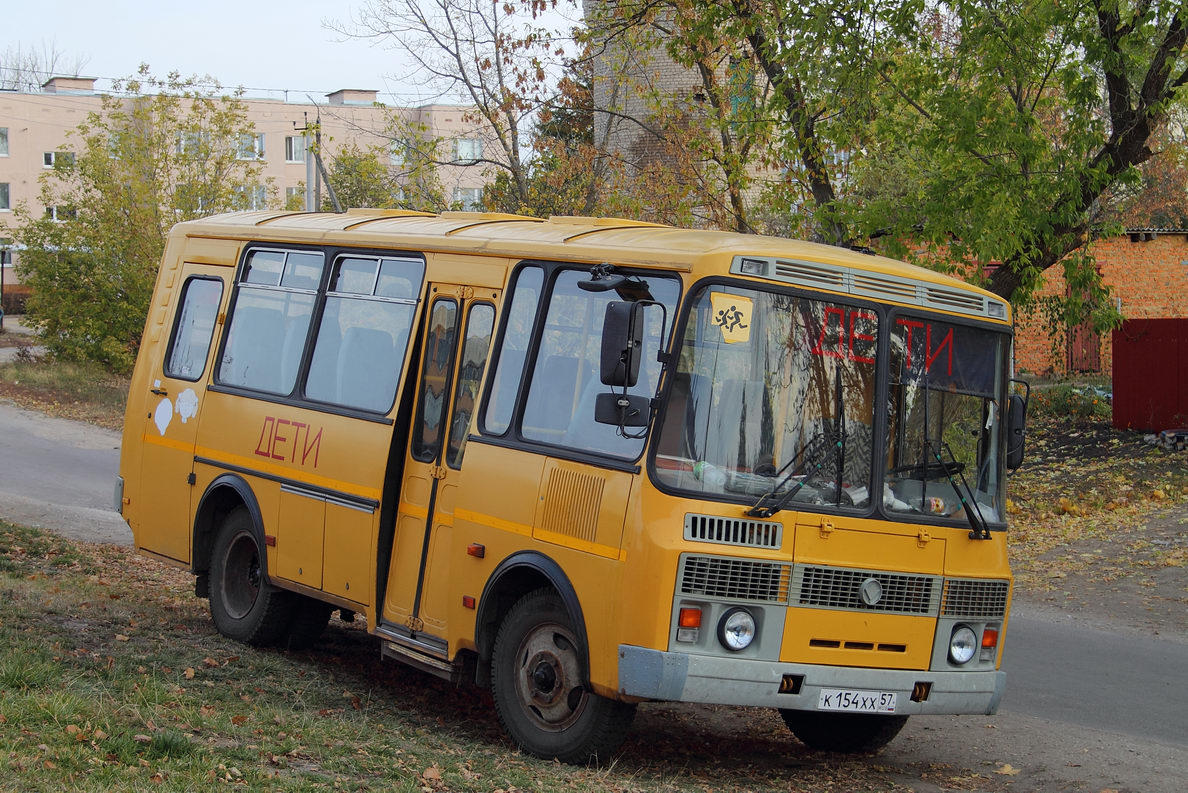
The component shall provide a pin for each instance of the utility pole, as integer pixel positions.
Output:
(311, 188)
(315, 161)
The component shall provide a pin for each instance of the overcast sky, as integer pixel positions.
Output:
(259, 45)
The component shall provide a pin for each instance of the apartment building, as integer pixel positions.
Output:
(35, 131)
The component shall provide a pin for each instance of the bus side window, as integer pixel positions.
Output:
(270, 320)
(475, 346)
(190, 344)
(363, 334)
(513, 346)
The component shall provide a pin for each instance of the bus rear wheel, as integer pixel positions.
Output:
(540, 693)
(243, 605)
(849, 733)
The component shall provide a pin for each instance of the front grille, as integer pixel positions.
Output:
(975, 598)
(734, 579)
(840, 588)
(732, 531)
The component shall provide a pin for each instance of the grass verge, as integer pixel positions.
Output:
(112, 678)
(85, 392)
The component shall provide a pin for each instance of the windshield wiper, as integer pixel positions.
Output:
(815, 449)
(977, 523)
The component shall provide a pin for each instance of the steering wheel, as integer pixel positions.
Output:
(928, 470)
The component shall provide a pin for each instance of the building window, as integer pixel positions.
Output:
(251, 197)
(3, 141)
(469, 199)
(468, 150)
(60, 213)
(191, 142)
(51, 159)
(4, 205)
(398, 151)
(294, 196)
(294, 148)
(251, 146)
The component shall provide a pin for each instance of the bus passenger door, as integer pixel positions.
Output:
(456, 343)
(177, 384)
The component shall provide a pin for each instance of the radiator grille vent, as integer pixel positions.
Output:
(975, 598)
(838, 588)
(733, 531)
(735, 579)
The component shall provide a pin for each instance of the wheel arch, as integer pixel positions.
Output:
(224, 494)
(514, 577)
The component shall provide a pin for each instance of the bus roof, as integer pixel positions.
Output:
(582, 239)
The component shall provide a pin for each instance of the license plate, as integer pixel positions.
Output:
(857, 701)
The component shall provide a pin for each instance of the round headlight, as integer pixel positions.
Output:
(736, 629)
(963, 645)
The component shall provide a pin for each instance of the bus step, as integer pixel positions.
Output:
(426, 663)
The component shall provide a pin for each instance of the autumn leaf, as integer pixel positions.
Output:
(209, 662)
(189, 673)
(1006, 769)
(121, 637)
(237, 720)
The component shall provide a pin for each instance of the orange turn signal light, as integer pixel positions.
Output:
(689, 618)
(990, 637)
(477, 550)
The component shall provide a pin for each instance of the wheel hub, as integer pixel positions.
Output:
(549, 680)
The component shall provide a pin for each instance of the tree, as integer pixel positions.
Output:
(489, 54)
(164, 153)
(24, 69)
(1023, 116)
(386, 178)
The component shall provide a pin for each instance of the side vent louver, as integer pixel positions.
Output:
(733, 531)
(875, 285)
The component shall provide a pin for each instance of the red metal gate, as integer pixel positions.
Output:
(1151, 374)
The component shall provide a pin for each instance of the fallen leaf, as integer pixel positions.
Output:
(189, 673)
(207, 710)
(237, 720)
(142, 738)
(431, 772)
(157, 778)
(72, 729)
(1006, 769)
(121, 637)
(208, 661)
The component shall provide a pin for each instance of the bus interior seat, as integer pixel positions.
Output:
(255, 348)
(290, 357)
(685, 425)
(508, 372)
(551, 397)
(736, 439)
(367, 370)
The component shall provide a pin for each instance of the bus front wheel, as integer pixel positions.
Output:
(243, 605)
(540, 693)
(850, 733)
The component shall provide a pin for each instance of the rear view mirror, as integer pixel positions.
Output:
(622, 410)
(622, 332)
(1016, 431)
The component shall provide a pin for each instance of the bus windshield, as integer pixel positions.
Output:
(773, 400)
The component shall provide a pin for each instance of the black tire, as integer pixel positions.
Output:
(540, 694)
(849, 733)
(244, 606)
(310, 617)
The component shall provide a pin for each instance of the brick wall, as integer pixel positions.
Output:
(1148, 276)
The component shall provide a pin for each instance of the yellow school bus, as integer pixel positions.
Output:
(586, 462)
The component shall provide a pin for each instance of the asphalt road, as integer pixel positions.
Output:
(1088, 706)
(59, 475)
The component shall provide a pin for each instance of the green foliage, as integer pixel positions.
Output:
(167, 152)
(1068, 401)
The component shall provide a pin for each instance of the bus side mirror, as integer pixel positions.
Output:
(622, 331)
(622, 410)
(1016, 431)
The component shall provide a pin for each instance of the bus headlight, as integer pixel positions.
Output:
(963, 644)
(736, 629)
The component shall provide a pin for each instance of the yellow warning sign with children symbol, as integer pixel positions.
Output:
(732, 314)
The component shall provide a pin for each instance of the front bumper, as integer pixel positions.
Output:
(680, 677)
